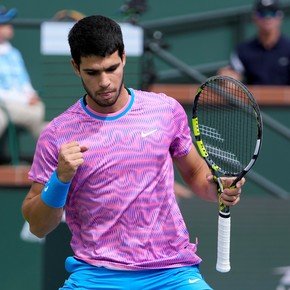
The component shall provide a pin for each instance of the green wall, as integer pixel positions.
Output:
(192, 46)
(156, 9)
(260, 241)
(21, 262)
(27, 37)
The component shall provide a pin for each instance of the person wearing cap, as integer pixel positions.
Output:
(264, 59)
(19, 102)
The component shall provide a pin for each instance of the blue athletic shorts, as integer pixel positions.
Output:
(85, 276)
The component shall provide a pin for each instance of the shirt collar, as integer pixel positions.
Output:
(5, 47)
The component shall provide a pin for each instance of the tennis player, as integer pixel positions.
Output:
(108, 161)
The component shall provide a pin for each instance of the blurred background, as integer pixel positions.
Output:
(174, 46)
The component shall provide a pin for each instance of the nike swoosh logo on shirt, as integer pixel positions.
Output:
(145, 134)
(192, 281)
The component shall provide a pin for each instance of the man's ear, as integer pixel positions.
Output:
(124, 58)
(75, 67)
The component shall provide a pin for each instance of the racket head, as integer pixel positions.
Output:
(227, 126)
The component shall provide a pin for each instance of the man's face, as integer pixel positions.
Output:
(6, 32)
(102, 78)
(267, 23)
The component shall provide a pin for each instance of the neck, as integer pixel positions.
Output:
(117, 106)
(269, 39)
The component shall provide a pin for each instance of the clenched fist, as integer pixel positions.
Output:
(70, 157)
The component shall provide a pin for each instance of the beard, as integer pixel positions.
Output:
(101, 101)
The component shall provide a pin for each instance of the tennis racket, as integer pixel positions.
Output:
(227, 128)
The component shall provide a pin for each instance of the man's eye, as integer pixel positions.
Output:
(112, 69)
(91, 73)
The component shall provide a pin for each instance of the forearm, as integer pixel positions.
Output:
(41, 218)
(195, 172)
(201, 185)
(199, 178)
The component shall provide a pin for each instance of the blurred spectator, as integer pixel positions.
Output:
(265, 59)
(18, 100)
(68, 15)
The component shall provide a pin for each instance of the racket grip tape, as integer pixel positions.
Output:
(223, 243)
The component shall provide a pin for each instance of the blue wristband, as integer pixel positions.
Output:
(55, 192)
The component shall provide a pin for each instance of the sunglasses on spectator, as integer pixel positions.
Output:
(268, 14)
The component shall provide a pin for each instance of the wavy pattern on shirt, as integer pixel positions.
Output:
(121, 207)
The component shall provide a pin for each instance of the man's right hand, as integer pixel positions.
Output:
(70, 157)
(228, 71)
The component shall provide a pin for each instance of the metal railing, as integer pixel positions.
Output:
(176, 24)
(237, 17)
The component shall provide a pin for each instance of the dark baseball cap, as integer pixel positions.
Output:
(264, 6)
(6, 15)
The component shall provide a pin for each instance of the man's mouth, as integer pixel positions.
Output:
(106, 95)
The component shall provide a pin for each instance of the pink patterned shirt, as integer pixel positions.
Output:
(121, 208)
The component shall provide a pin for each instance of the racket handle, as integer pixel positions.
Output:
(223, 246)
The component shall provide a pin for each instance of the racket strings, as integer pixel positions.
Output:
(229, 126)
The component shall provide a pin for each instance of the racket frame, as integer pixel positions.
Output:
(224, 220)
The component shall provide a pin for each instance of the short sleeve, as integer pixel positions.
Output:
(182, 141)
(45, 157)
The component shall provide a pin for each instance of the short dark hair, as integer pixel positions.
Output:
(95, 35)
